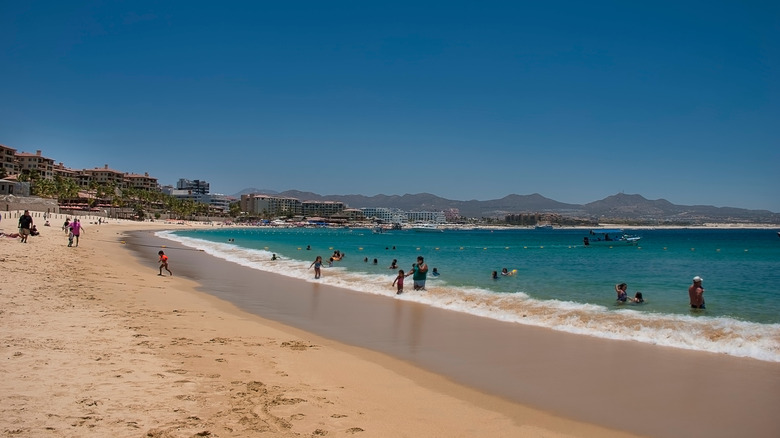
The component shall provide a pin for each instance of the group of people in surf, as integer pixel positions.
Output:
(622, 295)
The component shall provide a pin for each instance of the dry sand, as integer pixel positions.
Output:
(94, 343)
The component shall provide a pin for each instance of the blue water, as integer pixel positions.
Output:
(558, 282)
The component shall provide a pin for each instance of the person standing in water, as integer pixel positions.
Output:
(696, 293)
(317, 263)
(419, 273)
(399, 281)
(622, 294)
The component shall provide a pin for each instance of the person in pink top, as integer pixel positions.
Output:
(76, 229)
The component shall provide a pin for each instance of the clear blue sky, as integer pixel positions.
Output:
(466, 100)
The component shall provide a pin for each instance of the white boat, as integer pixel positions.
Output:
(427, 228)
(544, 227)
(610, 237)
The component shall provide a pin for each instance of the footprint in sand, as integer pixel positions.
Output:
(297, 345)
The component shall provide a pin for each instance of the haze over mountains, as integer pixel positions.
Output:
(618, 206)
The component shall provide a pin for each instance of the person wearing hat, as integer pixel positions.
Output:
(696, 293)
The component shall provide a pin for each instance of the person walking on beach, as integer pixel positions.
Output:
(696, 293)
(25, 224)
(76, 229)
(419, 273)
(164, 263)
(317, 263)
(399, 281)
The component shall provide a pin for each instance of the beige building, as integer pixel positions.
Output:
(27, 163)
(143, 182)
(268, 206)
(8, 160)
(65, 172)
(322, 208)
(103, 175)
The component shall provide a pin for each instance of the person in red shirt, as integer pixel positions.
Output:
(164, 262)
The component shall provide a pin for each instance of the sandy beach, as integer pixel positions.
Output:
(95, 343)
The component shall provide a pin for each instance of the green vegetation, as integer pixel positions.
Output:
(137, 203)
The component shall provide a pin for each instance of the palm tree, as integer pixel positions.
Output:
(45, 188)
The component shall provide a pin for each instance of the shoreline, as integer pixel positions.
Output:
(96, 344)
(507, 343)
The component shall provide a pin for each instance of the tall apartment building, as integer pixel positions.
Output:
(426, 216)
(321, 208)
(195, 186)
(385, 215)
(267, 205)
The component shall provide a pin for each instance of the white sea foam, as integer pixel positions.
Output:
(716, 335)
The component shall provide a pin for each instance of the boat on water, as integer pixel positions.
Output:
(427, 228)
(610, 237)
(544, 227)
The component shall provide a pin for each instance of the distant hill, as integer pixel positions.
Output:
(250, 190)
(616, 207)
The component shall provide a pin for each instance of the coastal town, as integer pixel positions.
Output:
(40, 183)
(35, 181)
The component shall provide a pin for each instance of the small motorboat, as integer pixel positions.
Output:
(427, 228)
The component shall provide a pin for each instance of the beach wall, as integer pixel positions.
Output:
(9, 203)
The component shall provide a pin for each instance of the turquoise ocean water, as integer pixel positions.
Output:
(558, 283)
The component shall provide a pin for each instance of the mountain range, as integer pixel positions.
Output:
(635, 208)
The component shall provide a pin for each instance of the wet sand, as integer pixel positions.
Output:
(94, 344)
(639, 388)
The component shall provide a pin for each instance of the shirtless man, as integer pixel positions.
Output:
(696, 293)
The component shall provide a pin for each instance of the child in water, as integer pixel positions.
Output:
(317, 263)
(164, 263)
(399, 280)
(638, 298)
